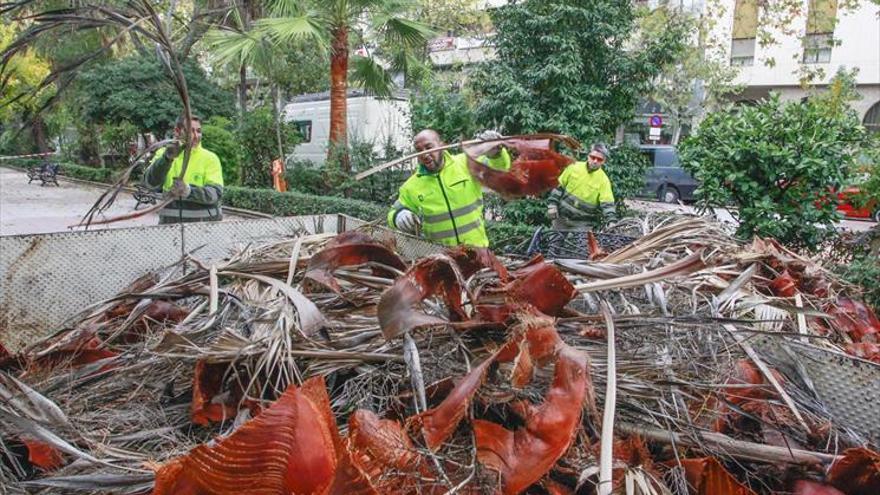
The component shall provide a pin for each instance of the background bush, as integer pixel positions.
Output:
(259, 145)
(116, 138)
(305, 176)
(137, 89)
(218, 135)
(444, 107)
(296, 203)
(626, 167)
(864, 271)
(776, 163)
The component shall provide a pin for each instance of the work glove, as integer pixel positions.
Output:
(489, 135)
(552, 212)
(180, 189)
(408, 222)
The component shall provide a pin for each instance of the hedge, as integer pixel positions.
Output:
(295, 203)
(87, 173)
(67, 169)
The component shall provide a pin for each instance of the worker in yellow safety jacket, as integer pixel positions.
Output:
(441, 201)
(200, 190)
(584, 199)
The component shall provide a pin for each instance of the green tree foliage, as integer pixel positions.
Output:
(21, 97)
(218, 135)
(116, 139)
(626, 167)
(455, 17)
(568, 66)
(776, 163)
(302, 69)
(137, 89)
(334, 25)
(444, 108)
(259, 145)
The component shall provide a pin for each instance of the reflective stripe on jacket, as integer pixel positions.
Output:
(583, 195)
(449, 203)
(204, 175)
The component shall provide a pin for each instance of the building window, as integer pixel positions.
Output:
(872, 119)
(304, 127)
(745, 30)
(817, 48)
(821, 18)
(742, 52)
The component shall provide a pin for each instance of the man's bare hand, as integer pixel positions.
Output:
(180, 189)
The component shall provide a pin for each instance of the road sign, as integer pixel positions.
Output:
(656, 121)
(654, 133)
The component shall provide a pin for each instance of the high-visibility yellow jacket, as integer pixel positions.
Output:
(583, 196)
(449, 203)
(205, 178)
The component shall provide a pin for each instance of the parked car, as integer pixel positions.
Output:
(666, 180)
(846, 205)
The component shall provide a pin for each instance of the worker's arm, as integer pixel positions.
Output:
(155, 174)
(212, 191)
(606, 200)
(556, 195)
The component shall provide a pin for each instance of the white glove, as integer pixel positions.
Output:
(180, 189)
(489, 135)
(408, 222)
(552, 212)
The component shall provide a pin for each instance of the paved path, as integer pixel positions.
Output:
(34, 209)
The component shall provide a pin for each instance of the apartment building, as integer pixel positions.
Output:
(824, 36)
(455, 49)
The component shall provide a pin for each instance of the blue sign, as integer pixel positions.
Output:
(656, 121)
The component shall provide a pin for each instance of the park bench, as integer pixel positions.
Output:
(46, 173)
(145, 195)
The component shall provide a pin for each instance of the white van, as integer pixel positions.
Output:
(370, 120)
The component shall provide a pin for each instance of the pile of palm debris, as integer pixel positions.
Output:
(684, 362)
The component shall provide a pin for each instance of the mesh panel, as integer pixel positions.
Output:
(47, 278)
(848, 387)
(570, 243)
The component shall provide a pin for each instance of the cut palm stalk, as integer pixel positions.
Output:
(606, 456)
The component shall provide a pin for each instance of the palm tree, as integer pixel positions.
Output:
(239, 45)
(331, 24)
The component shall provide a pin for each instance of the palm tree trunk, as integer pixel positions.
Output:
(38, 131)
(276, 112)
(338, 98)
(245, 14)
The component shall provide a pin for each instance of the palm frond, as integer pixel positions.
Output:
(232, 47)
(283, 30)
(404, 61)
(367, 73)
(94, 482)
(401, 31)
(285, 8)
